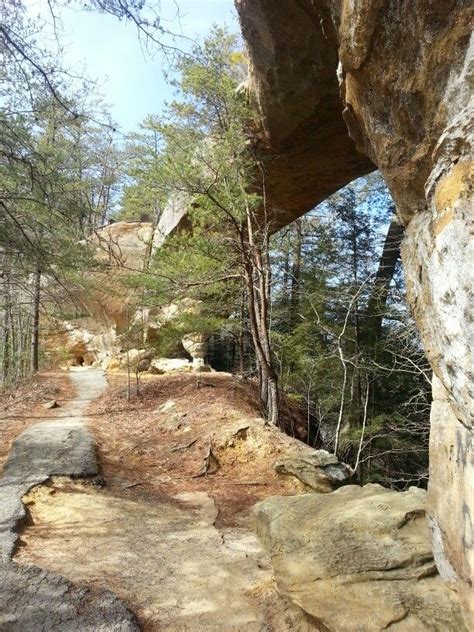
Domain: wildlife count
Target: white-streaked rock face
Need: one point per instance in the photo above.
(174, 218)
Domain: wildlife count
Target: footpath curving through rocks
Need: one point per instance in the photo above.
(33, 599)
(137, 515)
(160, 554)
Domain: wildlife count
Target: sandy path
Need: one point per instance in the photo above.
(59, 446)
(164, 557)
(31, 598)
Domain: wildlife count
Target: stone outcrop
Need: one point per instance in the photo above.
(358, 559)
(173, 219)
(405, 73)
(110, 306)
(196, 345)
(305, 148)
(318, 469)
(169, 365)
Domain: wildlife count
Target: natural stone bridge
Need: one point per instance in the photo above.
(343, 88)
(391, 80)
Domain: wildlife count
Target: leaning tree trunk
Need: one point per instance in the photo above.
(385, 273)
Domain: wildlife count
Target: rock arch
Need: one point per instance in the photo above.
(342, 87)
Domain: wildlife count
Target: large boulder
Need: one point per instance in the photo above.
(169, 365)
(358, 560)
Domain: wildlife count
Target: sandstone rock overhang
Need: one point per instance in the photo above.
(405, 73)
(305, 145)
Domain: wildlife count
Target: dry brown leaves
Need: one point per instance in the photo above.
(24, 406)
(145, 451)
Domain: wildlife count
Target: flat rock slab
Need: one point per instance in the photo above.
(166, 558)
(33, 599)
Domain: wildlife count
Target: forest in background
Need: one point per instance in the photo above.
(315, 313)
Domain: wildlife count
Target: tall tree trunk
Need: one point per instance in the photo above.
(296, 273)
(242, 335)
(6, 324)
(383, 278)
(257, 279)
(35, 318)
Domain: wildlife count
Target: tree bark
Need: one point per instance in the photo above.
(242, 335)
(383, 278)
(6, 325)
(35, 318)
(296, 272)
(257, 280)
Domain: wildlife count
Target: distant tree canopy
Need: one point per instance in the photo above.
(206, 162)
(59, 173)
(346, 344)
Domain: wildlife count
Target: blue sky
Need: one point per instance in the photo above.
(130, 79)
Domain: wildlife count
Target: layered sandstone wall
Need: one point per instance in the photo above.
(110, 306)
(400, 74)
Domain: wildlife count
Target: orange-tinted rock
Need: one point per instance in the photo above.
(405, 72)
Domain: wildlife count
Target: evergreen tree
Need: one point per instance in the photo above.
(207, 164)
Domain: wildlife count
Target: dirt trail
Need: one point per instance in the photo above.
(59, 446)
(31, 598)
(150, 534)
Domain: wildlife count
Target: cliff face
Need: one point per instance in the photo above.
(400, 76)
(110, 306)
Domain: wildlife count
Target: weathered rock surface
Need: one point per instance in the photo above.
(196, 346)
(173, 219)
(124, 244)
(451, 496)
(306, 150)
(358, 559)
(168, 365)
(405, 73)
(32, 599)
(319, 469)
(51, 404)
(180, 572)
(121, 248)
